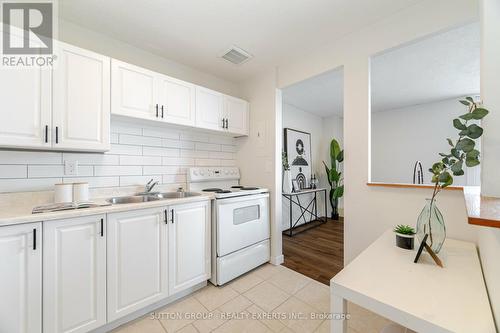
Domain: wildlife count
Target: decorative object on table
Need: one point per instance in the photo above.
(298, 150)
(80, 192)
(430, 221)
(295, 186)
(287, 176)
(418, 173)
(63, 192)
(405, 236)
(334, 177)
(314, 182)
(421, 248)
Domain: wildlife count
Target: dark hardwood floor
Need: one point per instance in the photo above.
(318, 252)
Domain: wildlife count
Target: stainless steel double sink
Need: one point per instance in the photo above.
(146, 197)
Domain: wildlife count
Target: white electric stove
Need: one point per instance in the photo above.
(240, 221)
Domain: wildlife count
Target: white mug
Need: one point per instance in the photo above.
(63, 192)
(80, 192)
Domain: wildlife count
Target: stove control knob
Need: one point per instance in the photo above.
(195, 173)
(202, 173)
(226, 172)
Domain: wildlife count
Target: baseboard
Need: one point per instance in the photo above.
(151, 308)
(277, 260)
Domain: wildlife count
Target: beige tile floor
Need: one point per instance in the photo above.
(267, 299)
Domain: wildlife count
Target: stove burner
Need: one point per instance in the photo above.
(216, 190)
(237, 186)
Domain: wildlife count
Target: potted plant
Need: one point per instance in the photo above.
(287, 176)
(405, 236)
(462, 151)
(334, 177)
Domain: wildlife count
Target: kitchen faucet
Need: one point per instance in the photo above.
(150, 185)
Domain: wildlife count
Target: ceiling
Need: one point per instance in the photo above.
(322, 95)
(197, 32)
(440, 67)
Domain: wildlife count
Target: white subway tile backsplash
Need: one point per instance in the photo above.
(140, 160)
(178, 161)
(138, 180)
(208, 146)
(92, 159)
(29, 157)
(95, 181)
(163, 170)
(139, 140)
(28, 184)
(165, 133)
(13, 171)
(125, 150)
(117, 170)
(138, 153)
(158, 151)
(48, 171)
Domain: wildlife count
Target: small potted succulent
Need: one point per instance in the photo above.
(405, 236)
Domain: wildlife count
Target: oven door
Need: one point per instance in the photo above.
(241, 222)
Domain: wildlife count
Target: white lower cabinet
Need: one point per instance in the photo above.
(21, 278)
(189, 245)
(74, 274)
(137, 260)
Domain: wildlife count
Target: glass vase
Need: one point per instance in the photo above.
(431, 221)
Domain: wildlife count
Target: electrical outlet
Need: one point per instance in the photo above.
(71, 168)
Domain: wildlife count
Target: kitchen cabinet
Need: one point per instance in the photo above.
(177, 101)
(209, 109)
(74, 274)
(134, 91)
(81, 99)
(236, 113)
(21, 278)
(26, 116)
(137, 260)
(189, 245)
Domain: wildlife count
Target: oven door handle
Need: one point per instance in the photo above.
(249, 198)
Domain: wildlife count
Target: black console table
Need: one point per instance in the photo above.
(311, 208)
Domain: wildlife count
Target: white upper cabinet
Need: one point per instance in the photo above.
(177, 101)
(74, 274)
(25, 110)
(236, 112)
(134, 91)
(209, 109)
(81, 116)
(21, 278)
(189, 245)
(137, 260)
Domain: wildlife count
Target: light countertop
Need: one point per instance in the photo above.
(21, 213)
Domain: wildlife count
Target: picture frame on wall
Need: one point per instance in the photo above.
(297, 145)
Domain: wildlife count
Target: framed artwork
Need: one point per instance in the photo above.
(295, 186)
(298, 150)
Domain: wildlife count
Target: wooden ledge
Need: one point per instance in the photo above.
(483, 211)
(421, 186)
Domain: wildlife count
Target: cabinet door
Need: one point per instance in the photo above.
(133, 91)
(81, 117)
(236, 111)
(189, 245)
(25, 114)
(74, 274)
(137, 260)
(209, 108)
(177, 101)
(21, 278)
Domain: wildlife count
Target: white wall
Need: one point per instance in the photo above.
(489, 238)
(301, 120)
(403, 136)
(138, 153)
(82, 37)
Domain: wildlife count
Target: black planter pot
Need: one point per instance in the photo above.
(335, 216)
(406, 242)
